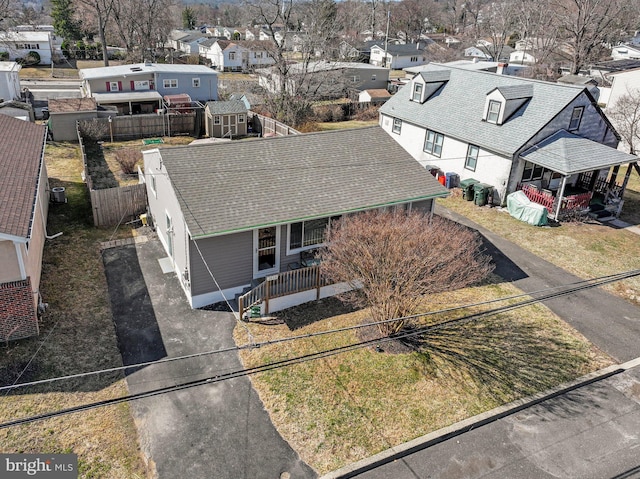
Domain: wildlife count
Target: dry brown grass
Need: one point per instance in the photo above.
(587, 250)
(345, 125)
(77, 335)
(349, 406)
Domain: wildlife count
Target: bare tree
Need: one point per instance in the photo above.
(411, 17)
(101, 11)
(393, 260)
(588, 24)
(499, 21)
(625, 116)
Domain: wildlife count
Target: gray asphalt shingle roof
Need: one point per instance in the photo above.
(237, 186)
(514, 92)
(458, 108)
(226, 107)
(21, 149)
(568, 154)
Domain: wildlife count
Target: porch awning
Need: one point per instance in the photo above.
(569, 154)
(126, 97)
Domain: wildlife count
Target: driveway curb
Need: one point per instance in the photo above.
(479, 420)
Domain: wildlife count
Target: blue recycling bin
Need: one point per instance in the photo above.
(452, 180)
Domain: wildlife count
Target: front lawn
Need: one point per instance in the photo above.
(76, 335)
(346, 407)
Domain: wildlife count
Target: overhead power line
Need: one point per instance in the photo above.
(324, 353)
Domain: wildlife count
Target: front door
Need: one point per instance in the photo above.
(266, 246)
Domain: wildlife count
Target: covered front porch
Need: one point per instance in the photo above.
(568, 174)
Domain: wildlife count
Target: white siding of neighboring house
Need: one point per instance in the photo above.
(625, 52)
(10, 84)
(377, 56)
(491, 168)
(396, 62)
(13, 43)
(521, 57)
(623, 83)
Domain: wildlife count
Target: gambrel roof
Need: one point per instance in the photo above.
(457, 109)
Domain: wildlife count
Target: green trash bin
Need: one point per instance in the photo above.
(481, 193)
(467, 188)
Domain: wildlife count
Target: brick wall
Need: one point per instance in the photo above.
(18, 317)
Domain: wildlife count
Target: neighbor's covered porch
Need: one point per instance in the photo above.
(566, 173)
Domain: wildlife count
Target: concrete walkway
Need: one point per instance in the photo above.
(609, 322)
(217, 430)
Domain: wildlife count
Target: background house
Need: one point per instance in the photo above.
(19, 44)
(139, 88)
(397, 57)
(9, 81)
(237, 55)
(226, 119)
(247, 210)
(489, 127)
(625, 52)
(24, 195)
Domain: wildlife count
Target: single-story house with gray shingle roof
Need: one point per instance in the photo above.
(497, 129)
(242, 211)
(226, 118)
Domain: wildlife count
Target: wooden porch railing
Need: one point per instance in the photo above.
(282, 284)
(570, 202)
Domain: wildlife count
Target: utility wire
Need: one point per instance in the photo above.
(310, 356)
(593, 282)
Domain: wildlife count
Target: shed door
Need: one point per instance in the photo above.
(229, 125)
(266, 247)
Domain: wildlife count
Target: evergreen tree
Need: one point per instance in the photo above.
(64, 24)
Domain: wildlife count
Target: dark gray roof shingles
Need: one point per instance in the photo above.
(240, 185)
(457, 109)
(21, 148)
(226, 107)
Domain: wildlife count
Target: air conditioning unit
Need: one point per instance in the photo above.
(58, 195)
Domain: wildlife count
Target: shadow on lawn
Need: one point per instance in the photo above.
(310, 313)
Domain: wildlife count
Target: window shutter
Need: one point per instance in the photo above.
(108, 86)
(119, 86)
(133, 85)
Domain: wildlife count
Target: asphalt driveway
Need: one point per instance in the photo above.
(216, 430)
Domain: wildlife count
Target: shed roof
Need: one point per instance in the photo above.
(71, 105)
(457, 109)
(569, 154)
(21, 148)
(239, 186)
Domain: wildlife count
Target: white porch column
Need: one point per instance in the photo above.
(560, 196)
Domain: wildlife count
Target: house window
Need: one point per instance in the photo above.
(232, 55)
(414, 59)
(493, 112)
(355, 78)
(373, 78)
(152, 185)
(216, 120)
(397, 125)
(170, 83)
(472, 158)
(195, 82)
(532, 171)
(240, 118)
(308, 234)
(576, 116)
(114, 86)
(417, 92)
(433, 143)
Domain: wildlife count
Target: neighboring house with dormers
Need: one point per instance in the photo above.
(24, 195)
(256, 210)
(507, 132)
(241, 55)
(139, 88)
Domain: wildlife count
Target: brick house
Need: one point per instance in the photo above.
(24, 195)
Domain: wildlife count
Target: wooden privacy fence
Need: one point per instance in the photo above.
(268, 126)
(113, 206)
(129, 127)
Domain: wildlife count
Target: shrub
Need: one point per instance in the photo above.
(4, 56)
(127, 158)
(32, 58)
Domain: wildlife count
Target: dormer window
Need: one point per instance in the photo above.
(576, 117)
(494, 111)
(417, 92)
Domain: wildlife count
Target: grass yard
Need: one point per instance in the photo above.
(586, 249)
(105, 169)
(346, 407)
(76, 335)
(631, 208)
(345, 125)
